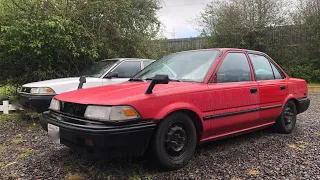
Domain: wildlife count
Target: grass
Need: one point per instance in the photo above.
(2, 164)
(17, 140)
(26, 154)
(314, 84)
(76, 177)
(313, 88)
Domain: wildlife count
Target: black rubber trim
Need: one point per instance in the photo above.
(271, 107)
(38, 103)
(240, 112)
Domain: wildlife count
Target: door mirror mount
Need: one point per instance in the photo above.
(157, 79)
(112, 75)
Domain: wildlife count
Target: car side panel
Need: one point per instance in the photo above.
(233, 107)
(272, 99)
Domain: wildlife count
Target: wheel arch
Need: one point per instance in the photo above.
(187, 109)
(292, 98)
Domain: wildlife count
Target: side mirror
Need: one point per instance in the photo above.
(82, 81)
(158, 79)
(112, 75)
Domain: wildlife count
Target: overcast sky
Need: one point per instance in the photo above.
(177, 16)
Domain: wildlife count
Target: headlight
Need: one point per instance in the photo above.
(111, 114)
(42, 91)
(54, 105)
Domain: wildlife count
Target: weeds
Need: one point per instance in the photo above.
(76, 177)
(17, 140)
(2, 148)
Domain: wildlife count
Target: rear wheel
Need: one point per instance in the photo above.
(174, 141)
(287, 120)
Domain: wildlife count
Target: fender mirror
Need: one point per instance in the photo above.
(157, 79)
(112, 75)
(82, 81)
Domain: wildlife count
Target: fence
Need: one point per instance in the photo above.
(271, 38)
(6, 107)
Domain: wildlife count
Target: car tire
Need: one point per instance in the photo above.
(174, 141)
(286, 122)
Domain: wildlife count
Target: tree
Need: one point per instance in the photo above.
(78, 31)
(237, 22)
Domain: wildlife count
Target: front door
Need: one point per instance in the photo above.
(273, 88)
(235, 96)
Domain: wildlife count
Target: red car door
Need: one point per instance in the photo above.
(234, 94)
(273, 88)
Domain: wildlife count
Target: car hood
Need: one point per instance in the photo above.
(65, 84)
(121, 94)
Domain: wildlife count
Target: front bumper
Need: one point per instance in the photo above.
(303, 105)
(38, 103)
(107, 141)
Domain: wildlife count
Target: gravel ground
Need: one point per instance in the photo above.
(26, 153)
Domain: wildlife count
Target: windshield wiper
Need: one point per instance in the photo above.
(174, 80)
(136, 79)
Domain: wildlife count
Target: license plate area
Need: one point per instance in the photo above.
(54, 133)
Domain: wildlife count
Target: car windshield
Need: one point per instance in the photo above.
(184, 66)
(98, 68)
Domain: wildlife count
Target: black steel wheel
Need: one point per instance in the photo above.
(174, 141)
(287, 120)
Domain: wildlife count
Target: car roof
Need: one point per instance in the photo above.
(224, 50)
(128, 59)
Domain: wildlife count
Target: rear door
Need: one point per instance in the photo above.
(273, 88)
(126, 70)
(234, 94)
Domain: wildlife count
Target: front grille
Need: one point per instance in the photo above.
(73, 109)
(25, 89)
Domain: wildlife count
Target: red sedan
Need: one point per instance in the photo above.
(177, 102)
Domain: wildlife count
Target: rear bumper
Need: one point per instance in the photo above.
(303, 105)
(108, 141)
(35, 103)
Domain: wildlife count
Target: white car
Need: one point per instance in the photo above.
(37, 95)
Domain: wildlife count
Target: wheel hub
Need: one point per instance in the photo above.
(176, 139)
(288, 115)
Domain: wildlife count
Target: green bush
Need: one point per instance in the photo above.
(38, 50)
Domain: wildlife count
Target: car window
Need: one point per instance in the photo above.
(147, 63)
(98, 68)
(128, 69)
(262, 67)
(277, 74)
(234, 68)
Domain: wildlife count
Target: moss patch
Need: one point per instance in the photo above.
(2, 148)
(26, 154)
(16, 140)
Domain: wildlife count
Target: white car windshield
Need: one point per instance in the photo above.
(98, 69)
(184, 66)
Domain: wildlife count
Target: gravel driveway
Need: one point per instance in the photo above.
(26, 153)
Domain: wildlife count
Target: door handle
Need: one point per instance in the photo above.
(254, 91)
(282, 88)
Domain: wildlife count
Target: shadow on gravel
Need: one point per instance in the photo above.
(221, 150)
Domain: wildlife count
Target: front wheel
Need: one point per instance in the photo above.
(287, 120)
(174, 141)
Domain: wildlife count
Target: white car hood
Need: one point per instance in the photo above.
(65, 84)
